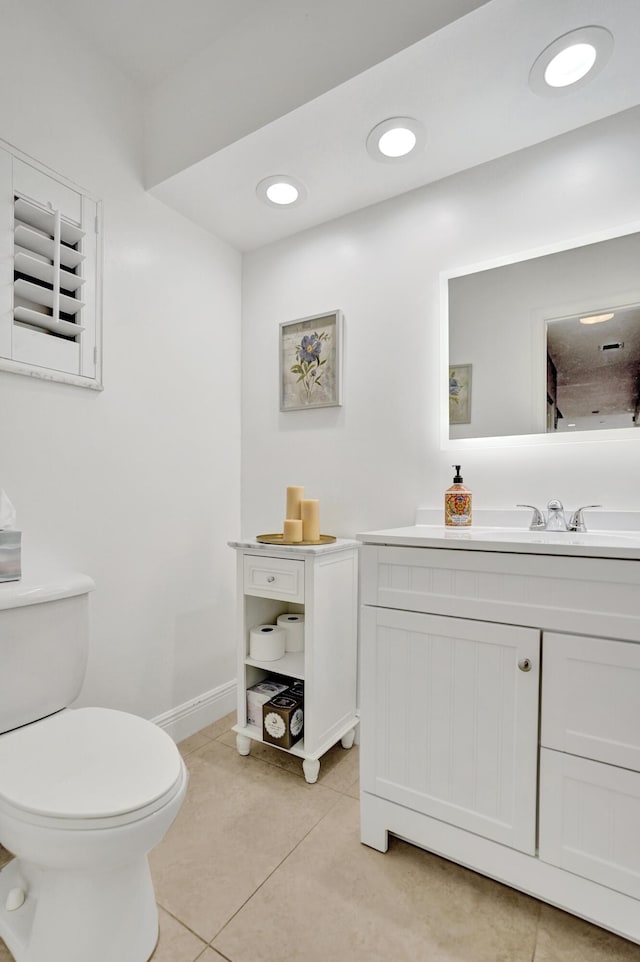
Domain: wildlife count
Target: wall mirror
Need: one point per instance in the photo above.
(545, 346)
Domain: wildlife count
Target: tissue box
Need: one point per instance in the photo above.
(10, 568)
(257, 695)
(283, 720)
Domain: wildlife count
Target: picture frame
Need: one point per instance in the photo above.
(310, 351)
(460, 393)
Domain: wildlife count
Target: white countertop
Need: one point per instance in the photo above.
(592, 544)
(293, 550)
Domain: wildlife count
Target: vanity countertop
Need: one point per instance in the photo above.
(591, 544)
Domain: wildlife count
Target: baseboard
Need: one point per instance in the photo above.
(191, 716)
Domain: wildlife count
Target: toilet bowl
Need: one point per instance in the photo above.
(85, 794)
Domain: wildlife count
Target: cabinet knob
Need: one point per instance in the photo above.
(525, 664)
(271, 578)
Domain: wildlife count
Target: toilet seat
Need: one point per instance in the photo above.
(88, 768)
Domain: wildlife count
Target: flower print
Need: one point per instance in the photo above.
(310, 347)
(309, 368)
(454, 388)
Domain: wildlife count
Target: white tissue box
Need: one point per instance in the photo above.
(257, 695)
(10, 567)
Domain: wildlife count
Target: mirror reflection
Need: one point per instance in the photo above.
(549, 344)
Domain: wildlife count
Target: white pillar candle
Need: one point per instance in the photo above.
(292, 530)
(310, 510)
(295, 494)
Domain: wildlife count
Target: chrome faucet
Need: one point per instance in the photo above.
(555, 519)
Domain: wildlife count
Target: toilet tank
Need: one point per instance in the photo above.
(44, 639)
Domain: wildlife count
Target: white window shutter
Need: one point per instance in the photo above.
(53, 329)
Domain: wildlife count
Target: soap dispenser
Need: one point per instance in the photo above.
(457, 502)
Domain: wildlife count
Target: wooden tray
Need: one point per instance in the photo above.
(279, 539)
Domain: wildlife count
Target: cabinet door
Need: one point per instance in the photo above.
(450, 721)
(590, 698)
(589, 817)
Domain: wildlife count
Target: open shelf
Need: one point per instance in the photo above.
(291, 664)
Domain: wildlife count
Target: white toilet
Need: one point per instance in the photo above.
(85, 793)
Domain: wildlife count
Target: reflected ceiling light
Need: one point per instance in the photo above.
(395, 139)
(571, 61)
(281, 190)
(596, 318)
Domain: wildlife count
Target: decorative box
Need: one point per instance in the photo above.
(257, 695)
(283, 720)
(10, 567)
(297, 689)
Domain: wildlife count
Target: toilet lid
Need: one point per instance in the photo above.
(87, 763)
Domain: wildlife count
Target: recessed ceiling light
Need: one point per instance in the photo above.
(395, 139)
(596, 318)
(571, 61)
(281, 190)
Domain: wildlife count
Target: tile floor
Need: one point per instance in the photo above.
(261, 867)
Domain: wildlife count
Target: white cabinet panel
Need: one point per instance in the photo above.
(589, 820)
(591, 698)
(450, 722)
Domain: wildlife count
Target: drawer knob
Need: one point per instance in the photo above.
(525, 664)
(271, 578)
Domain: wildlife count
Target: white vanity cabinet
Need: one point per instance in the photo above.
(500, 703)
(321, 583)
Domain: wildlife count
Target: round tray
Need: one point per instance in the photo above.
(279, 539)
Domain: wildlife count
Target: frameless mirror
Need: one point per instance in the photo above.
(548, 344)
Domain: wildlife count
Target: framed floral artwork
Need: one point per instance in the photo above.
(460, 394)
(311, 362)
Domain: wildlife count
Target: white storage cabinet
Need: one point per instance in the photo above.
(321, 583)
(464, 655)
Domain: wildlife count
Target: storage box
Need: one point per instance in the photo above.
(297, 689)
(283, 720)
(10, 567)
(257, 695)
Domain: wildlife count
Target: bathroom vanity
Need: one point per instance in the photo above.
(320, 582)
(500, 708)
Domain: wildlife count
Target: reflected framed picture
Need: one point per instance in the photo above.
(460, 394)
(311, 362)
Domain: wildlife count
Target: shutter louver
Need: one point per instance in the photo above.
(47, 271)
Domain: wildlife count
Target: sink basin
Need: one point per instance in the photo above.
(596, 544)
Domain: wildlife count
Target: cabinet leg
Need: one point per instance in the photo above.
(243, 744)
(348, 739)
(311, 767)
(372, 833)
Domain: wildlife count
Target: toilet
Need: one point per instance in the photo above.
(85, 793)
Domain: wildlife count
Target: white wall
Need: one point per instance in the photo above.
(138, 485)
(373, 461)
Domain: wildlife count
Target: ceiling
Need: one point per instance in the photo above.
(466, 81)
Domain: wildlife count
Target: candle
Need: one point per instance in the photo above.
(310, 510)
(292, 530)
(295, 494)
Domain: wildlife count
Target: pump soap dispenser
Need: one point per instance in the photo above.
(457, 502)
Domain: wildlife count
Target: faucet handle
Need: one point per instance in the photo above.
(537, 519)
(576, 521)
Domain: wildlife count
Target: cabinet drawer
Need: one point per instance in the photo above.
(589, 817)
(595, 596)
(590, 700)
(274, 578)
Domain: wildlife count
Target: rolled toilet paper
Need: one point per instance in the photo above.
(267, 642)
(294, 627)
